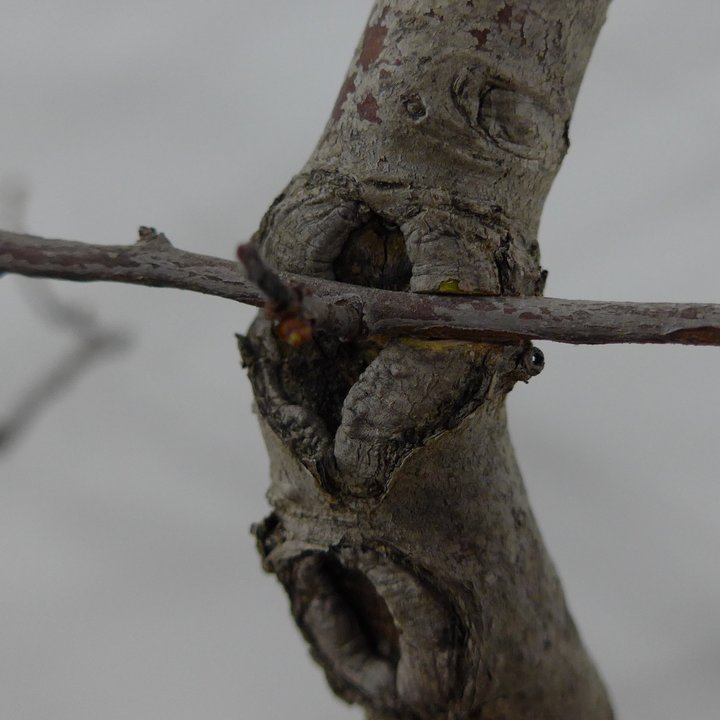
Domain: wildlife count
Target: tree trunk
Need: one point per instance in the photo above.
(401, 529)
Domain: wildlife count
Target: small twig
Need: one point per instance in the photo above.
(285, 304)
(350, 310)
(277, 292)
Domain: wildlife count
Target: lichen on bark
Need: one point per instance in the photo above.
(400, 526)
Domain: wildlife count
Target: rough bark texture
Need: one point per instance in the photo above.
(400, 526)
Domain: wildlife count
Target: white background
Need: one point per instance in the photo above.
(129, 585)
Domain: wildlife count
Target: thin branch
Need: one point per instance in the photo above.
(152, 261)
(350, 310)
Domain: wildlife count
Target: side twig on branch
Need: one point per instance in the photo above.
(350, 311)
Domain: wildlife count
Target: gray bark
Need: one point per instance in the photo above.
(400, 529)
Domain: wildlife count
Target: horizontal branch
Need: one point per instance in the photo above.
(151, 261)
(350, 310)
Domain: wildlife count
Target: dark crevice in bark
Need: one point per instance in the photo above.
(375, 255)
(367, 607)
(320, 375)
(348, 625)
(316, 376)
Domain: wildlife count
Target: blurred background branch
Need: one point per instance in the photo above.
(92, 340)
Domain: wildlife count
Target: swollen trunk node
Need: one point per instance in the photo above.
(400, 528)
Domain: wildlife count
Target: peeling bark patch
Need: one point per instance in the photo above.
(480, 37)
(347, 87)
(368, 109)
(373, 44)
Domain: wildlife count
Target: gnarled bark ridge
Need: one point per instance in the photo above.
(400, 526)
